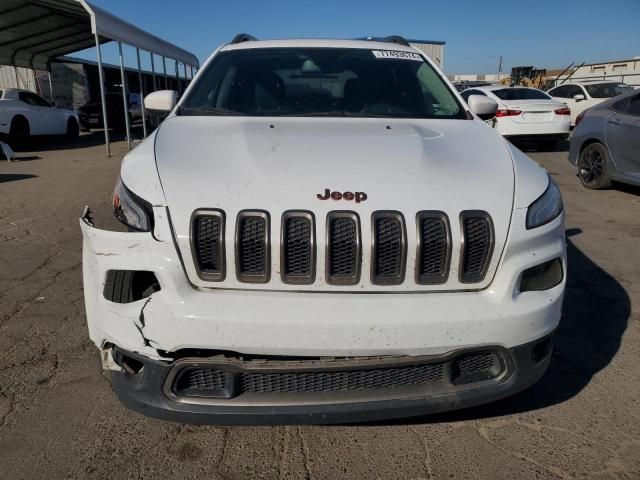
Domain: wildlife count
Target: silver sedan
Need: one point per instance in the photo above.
(605, 145)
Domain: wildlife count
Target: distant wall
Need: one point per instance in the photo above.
(69, 83)
(432, 50)
(627, 71)
(473, 77)
(26, 78)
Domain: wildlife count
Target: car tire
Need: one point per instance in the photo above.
(19, 132)
(118, 287)
(593, 167)
(73, 129)
(126, 286)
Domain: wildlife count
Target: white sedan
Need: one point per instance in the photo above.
(23, 113)
(579, 96)
(526, 112)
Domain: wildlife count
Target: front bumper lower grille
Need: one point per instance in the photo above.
(343, 247)
(231, 378)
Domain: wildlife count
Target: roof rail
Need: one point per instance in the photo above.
(243, 37)
(395, 39)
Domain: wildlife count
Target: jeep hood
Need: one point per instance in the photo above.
(280, 164)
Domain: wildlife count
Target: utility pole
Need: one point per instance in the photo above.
(499, 67)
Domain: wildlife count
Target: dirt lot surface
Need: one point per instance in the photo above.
(59, 418)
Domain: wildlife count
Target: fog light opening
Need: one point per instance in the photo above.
(542, 277)
(126, 286)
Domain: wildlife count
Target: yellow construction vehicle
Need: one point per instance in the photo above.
(526, 77)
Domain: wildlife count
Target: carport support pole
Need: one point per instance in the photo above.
(178, 86)
(185, 72)
(153, 72)
(164, 70)
(144, 119)
(102, 98)
(125, 96)
(50, 87)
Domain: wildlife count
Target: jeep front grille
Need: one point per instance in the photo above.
(253, 259)
(343, 248)
(298, 255)
(477, 246)
(207, 239)
(389, 253)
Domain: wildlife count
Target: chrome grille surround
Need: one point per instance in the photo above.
(253, 246)
(298, 247)
(208, 244)
(388, 248)
(476, 250)
(433, 255)
(343, 248)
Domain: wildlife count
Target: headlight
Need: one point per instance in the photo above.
(545, 208)
(131, 210)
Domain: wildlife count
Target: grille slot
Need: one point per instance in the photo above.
(388, 252)
(475, 367)
(343, 248)
(207, 244)
(434, 248)
(252, 247)
(341, 381)
(477, 245)
(298, 248)
(204, 382)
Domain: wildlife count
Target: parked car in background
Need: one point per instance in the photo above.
(91, 113)
(327, 257)
(526, 113)
(579, 96)
(24, 114)
(605, 145)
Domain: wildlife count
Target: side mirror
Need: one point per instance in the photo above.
(482, 106)
(579, 97)
(161, 101)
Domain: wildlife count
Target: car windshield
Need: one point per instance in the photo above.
(339, 82)
(520, 94)
(607, 90)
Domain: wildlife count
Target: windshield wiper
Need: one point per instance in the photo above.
(206, 111)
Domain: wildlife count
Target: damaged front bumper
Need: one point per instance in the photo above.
(157, 389)
(179, 324)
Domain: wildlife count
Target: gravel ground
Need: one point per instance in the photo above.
(59, 418)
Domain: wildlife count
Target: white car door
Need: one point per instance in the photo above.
(39, 113)
(569, 95)
(582, 105)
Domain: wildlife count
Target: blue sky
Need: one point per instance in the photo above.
(541, 33)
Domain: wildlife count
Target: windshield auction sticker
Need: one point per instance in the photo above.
(396, 54)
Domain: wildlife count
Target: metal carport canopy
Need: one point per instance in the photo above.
(34, 32)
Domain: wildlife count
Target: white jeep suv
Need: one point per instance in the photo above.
(322, 231)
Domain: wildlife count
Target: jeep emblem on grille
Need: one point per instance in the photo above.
(357, 196)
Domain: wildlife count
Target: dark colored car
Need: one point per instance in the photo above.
(605, 145)
(90, 114)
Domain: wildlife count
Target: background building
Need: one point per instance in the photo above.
(434, 49)
(626, 71)
(73, 81)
